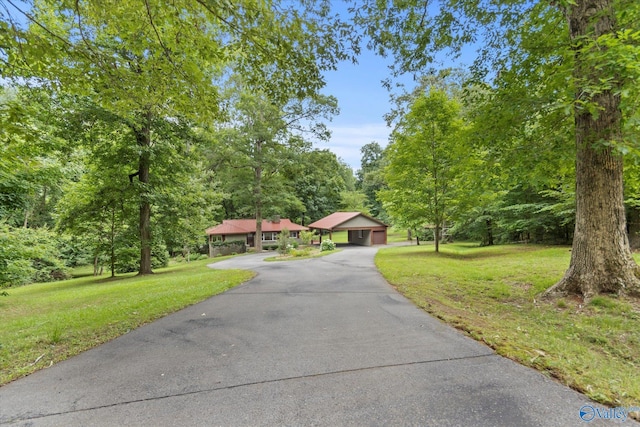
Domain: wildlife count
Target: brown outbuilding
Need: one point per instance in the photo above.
(361, 229)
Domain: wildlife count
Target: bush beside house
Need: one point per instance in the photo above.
(227, 248)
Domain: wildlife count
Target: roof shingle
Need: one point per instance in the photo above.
(245, 226)
(338, 218)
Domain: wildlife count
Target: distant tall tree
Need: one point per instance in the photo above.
(262, 139)
(317, 183)
(371, 156)
(354, 201)
(97, 208)
(33, 161)
(422, 158)
(370, 176)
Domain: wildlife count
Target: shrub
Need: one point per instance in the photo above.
(327, 245)
(284, 242)
(306, 237)
(29, 255)
(128, 257)
(159, 255)
(73, 251)
(230, 247)
(226, 243)
(296, 253)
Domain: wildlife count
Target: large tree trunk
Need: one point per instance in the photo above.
(601, 259)
(143, 136)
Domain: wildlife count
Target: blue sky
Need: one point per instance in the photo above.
(363, 101)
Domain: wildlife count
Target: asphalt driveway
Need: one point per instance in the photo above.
(324, 341)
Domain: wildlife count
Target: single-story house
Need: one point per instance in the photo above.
(361, 229)
(245, 230)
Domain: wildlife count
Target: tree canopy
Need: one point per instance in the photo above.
(155, 66)
(138, 125)
(543, 66)
(424, 158)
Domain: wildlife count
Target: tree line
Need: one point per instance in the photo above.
(132, 125)
(128, 128)
(548, 81)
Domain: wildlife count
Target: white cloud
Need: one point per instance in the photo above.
(346, 141)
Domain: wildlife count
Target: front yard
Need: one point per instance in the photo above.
(45, 323)
(492, 294)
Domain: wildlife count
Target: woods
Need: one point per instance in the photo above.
(142, 91)
(128, 128)
(538, 65)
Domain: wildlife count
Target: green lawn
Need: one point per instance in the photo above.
(396, 235)
(492, 294)
(48, 322)
(302, 253)
(338, 237)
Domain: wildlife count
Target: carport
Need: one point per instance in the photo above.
(361, 229)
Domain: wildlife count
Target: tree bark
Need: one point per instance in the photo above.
(257, 194)
(112, 242)
(143, 137)
(601, 259)
(95, 265)
(489, 224)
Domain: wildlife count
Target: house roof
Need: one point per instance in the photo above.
(337, 219)
(245, 226)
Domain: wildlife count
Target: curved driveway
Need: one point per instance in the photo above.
(324, 341)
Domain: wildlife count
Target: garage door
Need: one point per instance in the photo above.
(378, 238)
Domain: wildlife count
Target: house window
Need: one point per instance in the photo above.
(216, 238)
(268, 236)
(293, 234)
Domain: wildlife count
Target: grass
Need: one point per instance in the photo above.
(302, 253)
(395, 235)
(48, 322)
(492, 294)
(338, 236)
